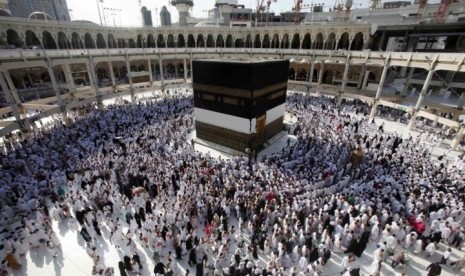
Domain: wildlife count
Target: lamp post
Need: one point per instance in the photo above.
(99, 14)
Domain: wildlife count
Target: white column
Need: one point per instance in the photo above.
(380, 88)
(69, 78)
(185, 70)
(55, 87)
(407, 82)
(91, 66)
(112, 74)
(192, 70)
(320, 75)
(11, 101)
(461, 102)
(91, 80)
(365, 79)
(149, 64)
(312, 67)
(458, 137)
(13, 90)
(131, 86)
(162, 77)
(421, 99)
(344, 79)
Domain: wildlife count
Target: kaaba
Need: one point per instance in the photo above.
(239, 103)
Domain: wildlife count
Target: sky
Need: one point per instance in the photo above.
(127, 12)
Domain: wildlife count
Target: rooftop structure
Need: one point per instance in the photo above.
(56, 9)
(165, 17)
(183, 7)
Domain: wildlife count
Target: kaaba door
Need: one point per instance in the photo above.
(261, 126)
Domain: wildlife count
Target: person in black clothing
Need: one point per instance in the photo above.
(96, 227)
(199, 269)
(314, 254)
(136, 259)
(159, 268)
(127, 263)
(122, 269)
(178, 251)
(142, 214)
(85, 234)
(434, 269)
(192, 257)
(137, 217)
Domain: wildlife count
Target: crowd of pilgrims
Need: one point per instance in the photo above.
(128, 175)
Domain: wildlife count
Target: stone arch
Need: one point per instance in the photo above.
(285, 42)
(180, 70)
(131, 43)
(121, 43)
(330, 41)
(275, 41)
(12, 38)
(357, 43)
(370, 43)
(344, 42)
(89, 41)
(266, 41)
(315, 75)
(295, 44)
(48, 41)
(111, 42)
(170, 41)
(307, 42)
(291, 73)
(140, 41)
(328, 77)
(101, 41)
(161, 41)
(170, 70)
(76, 41)
(181, 42)
(318, 43)
(248, 41)
(31, 39)
(63, 42)
(239, 43)
(190, 41)
(210, 41)
(219, 41)
(257, 42)
(151, 41)
(200, 41)
(302, 75)
(229, 41)
(101, 73)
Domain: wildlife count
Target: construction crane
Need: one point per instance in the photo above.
(421, 7)
(443, 9)
(338, 7)
(374, 4)
(261, 8)
(296, 9)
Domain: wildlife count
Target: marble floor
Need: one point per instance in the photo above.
(72, 259)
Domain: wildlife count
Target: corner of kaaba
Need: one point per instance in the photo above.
(239, 103)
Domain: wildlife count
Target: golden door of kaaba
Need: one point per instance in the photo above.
(261, 124)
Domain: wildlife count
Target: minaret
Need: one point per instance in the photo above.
(183, 7)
